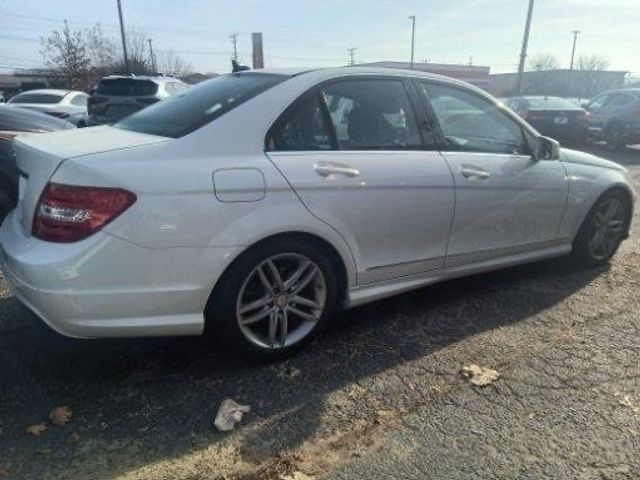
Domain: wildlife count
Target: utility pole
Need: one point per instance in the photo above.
(523, 53)
(234, 41)
(573, 54)
(352, 55)
(413, 37)
(124, 40)
(152, 57)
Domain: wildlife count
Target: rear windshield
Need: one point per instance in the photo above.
(126, 87)
(177, 116)
(37, 98)
(551, 103)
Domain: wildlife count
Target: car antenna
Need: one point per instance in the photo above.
(236, 67)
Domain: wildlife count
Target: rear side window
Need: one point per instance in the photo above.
(37, 98)
(372, 115)
(126, 87)
(182, 114)
(303, 129)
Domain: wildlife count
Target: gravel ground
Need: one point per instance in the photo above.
(379, 396)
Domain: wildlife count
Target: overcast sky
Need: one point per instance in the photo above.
(317, 33)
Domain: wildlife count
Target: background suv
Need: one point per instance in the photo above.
(614, 116)
(118, 96)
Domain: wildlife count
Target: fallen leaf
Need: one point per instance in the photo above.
(296, 476)
(74, 437)
(288, 372)
(479, 376)
(229, 414)
(4, 472)
(37, 429)
(60, 415)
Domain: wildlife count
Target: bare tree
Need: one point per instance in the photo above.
(101, 49)
(543, 61)
(171, 64)
(65, 53)
(592, 63)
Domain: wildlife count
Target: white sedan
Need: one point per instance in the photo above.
(69, 105)
(256, 204)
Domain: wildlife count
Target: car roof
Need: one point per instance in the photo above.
(50, 91)
(153, 78)
(22, 120)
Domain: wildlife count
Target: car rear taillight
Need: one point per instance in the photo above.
(68, 213)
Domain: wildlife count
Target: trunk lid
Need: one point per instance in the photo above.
(39, 155)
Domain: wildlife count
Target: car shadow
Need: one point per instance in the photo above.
(140, 401)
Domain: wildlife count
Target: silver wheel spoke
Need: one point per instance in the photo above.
(298, 300)
(261, 302)
(615, 225)
(273, 328)
(265, 281)
(284, 327)
(611, 211)
(303, 315)
(256, 317)
(275, 273)
(295, 277)
(306, 279)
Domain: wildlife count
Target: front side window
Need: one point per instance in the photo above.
(181, 114)
(304, 128)
(372, 115)
(472, 123)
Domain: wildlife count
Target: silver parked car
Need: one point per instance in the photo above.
(118, 96)
(259, 203)
(69, 105)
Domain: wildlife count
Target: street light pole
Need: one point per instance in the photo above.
(413, 37)
(573, 54)
(124, 41)
(523, 52)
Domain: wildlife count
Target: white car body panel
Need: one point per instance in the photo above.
(205, 198)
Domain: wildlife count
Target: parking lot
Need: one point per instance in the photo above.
(379, 396)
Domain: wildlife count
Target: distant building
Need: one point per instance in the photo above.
(476, 75)
(11, 84)
(562, 83)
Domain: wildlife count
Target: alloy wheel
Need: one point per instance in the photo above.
(607, 229)
(281, 301)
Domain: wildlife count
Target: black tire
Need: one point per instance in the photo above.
(582, 254)
(222, 324)
(615, 136)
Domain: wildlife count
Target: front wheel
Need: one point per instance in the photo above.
(615, 136)
(275, 299)
(603, 230)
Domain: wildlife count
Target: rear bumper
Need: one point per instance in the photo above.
(108, 287)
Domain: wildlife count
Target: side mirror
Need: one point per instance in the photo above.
(546, 149)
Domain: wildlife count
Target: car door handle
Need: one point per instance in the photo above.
(475, 172)
(328, 169)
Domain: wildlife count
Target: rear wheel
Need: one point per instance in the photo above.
(615, 136)
(603, 230)
(275, 299)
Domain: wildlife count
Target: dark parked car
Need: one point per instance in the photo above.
(614, 117)
(118, 96)
(14, 121)
(555, 117)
